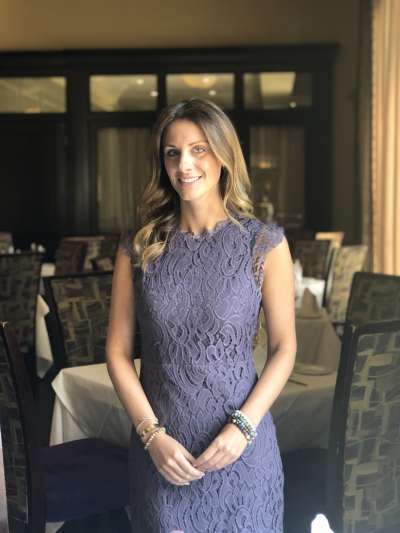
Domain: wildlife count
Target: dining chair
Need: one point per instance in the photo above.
(6, 237)
(336, 237)
(78, 318)
(355, 482)
(70, 256)
(4, 247)
(314, 257)
(19, 286)
(59, 483)
(97, 246)
(346, 262)
(103, 264)
(373, 297)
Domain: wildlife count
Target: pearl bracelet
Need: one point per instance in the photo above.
(155, 432)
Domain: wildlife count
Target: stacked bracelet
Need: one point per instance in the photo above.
(146, 418)
(244, 424)
(155, 432)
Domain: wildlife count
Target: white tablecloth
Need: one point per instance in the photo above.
(317, 343)
(86, 405)
(314, 285)
(44, 356)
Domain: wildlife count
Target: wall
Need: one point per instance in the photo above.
(58, 24)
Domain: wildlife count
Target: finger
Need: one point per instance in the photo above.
(191, 460)
(173, 477)
(216, 458)
(205, 457)
(189, 470)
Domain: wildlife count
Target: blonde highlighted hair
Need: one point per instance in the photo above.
(159, 205)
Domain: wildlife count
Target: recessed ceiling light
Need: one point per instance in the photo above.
(153, 93)
(212, 92)
(140, 81)
(292, 104)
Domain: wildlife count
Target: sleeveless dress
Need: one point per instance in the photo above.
(197, 307)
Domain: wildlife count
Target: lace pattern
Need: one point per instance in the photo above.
(197, 305)
(269, 236)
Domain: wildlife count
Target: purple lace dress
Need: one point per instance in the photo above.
(197, 307)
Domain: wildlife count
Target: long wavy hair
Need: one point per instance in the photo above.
(159, 205)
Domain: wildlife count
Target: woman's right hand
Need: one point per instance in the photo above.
(172, 460)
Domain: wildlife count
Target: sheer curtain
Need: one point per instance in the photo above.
(123, 170)
(386, 136)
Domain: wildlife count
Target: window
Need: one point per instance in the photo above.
(277, 90)
(123, 93)
(215, 87)
(33, 95)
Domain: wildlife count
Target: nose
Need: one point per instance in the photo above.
(185, 163)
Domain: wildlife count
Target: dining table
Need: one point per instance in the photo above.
(86, 405)
(44, 355)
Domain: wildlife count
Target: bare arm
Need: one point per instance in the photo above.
(278, 306)
(120, 343)
(171, 459)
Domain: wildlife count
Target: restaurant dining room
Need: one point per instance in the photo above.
(312, 89)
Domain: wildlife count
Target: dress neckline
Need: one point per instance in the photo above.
(206, 232)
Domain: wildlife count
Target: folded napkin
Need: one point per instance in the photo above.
(320, 524)
(309, 307)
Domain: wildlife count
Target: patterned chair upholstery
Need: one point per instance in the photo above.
(70, 257)
(6, 238)
(97, 246)
(109, 246)
(79, 308)
(373, 298)
(69, 481)
(14, 452)
(347, 261)
(314, 257)
(19, 285)
(103, 264)
(356, 482)
(78, 318)
(365, 444)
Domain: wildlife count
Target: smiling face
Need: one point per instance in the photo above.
(193, 169)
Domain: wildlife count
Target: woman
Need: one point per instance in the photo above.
(204, 456)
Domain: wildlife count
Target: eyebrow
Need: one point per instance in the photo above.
(190, 144)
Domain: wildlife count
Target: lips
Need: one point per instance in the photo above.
(188, 181)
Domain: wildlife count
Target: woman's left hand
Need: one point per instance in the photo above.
(227, 446)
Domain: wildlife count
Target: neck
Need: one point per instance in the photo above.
(197, 220)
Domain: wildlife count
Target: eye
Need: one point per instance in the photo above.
(199, 149)
(171, 152)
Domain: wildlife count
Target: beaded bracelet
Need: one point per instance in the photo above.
(244, 424)
(155, 432)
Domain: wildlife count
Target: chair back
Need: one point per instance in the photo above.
(19, 287)
(70, 257)
(336, 237)
(109, 246)
(78, 318)
(347, 260)
(97, 246)
(6, 237)
(363, 476)
(103, 264)
(373, 298)
(23, 475)
(314, 257)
